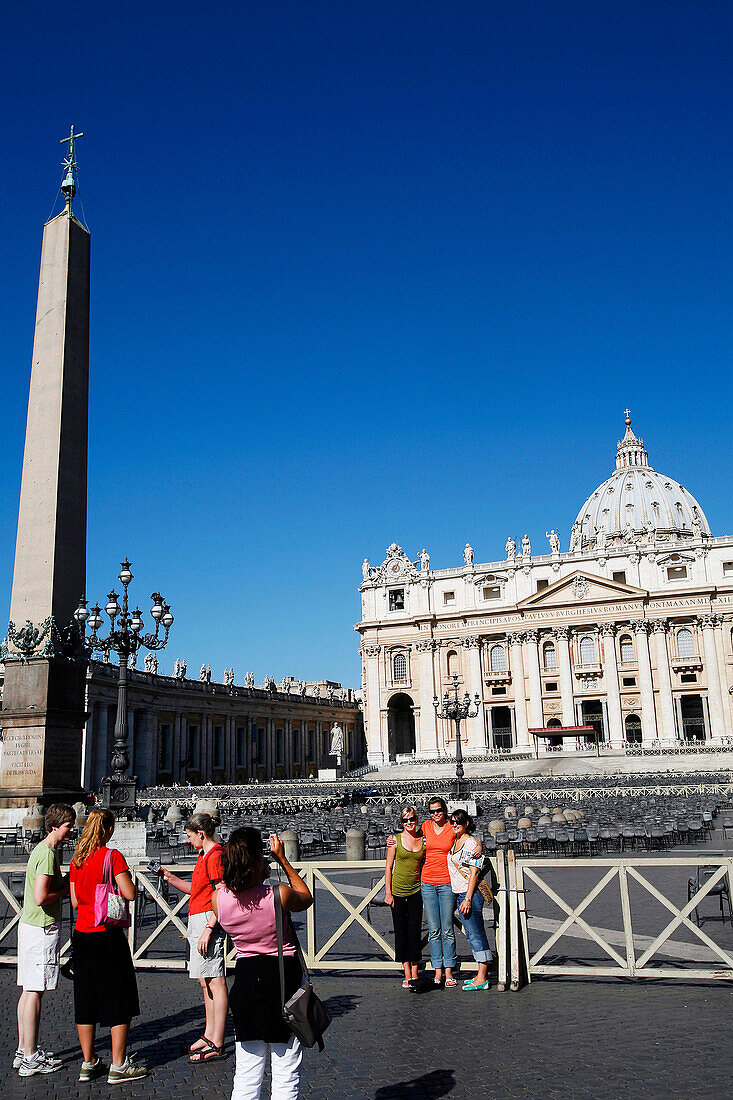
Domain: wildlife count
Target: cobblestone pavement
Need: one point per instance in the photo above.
(554, 1039)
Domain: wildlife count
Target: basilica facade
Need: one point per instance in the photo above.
(625, 639)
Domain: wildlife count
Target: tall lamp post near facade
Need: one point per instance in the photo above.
(457, 710)
(125, 638)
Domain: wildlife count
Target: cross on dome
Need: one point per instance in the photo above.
(630, 450)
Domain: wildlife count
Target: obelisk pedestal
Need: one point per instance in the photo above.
(43, 700)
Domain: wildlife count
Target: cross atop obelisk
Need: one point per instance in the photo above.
(68, 186)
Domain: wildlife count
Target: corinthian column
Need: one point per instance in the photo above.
(520, 704)
(377, 751)
(428, 743)
(666, 705)
(712, 673)
(533, 670)
(566, 677)
(613, 695)
(477, 725)
(646, 687)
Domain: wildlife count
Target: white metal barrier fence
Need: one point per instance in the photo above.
(638, 953)
(341, 915)
(338, 933)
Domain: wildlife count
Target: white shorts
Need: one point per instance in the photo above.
(38, 957)
(210, 965)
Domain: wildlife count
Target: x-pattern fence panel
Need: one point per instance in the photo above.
(638, 955)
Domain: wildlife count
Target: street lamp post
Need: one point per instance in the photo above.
(125, 638)
(457, 709)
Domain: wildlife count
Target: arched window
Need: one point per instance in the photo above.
(685, 643)
(399, 668)
(453, 663)
(587, 651)
(497, 658)
(627, 648)
(549, 655)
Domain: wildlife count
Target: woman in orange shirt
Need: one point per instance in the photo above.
(437, 892)
(205, 935)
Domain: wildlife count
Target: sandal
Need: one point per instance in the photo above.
(210, 1053)
(199, 1044)
(406, 984)
(450, 982)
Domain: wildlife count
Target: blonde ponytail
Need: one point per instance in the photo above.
(99, 827)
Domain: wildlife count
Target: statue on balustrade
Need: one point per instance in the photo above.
(554, 540)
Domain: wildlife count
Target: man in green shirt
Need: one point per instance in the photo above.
(39, 939)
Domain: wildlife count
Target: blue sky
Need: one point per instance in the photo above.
(366, 272)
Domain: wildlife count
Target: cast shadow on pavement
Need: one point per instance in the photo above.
(340, 1006)
(428, 1087)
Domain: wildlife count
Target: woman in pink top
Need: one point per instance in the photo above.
(245, 908)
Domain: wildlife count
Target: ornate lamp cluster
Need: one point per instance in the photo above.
(457, 709)
(125, 637)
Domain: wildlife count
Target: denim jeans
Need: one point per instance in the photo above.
(473, 926)
(439, 903)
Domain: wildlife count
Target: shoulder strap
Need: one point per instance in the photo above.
(294, 934)
(107, 876)
(279, 935)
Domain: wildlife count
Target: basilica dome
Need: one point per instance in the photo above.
(637, 504)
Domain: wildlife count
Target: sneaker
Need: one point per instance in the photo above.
(41, 1062)
(90, 1071)
(128, 1071)
(18, 1058)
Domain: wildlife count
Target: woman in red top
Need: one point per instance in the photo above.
(105, 990)
(437, 892)
(205, 935)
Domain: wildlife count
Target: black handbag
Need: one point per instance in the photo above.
(305, 1014)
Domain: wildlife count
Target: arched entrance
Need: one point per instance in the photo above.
(501, 728)
(554, 742)
(592, 715)
(693, 718)
(400, 725)
(632, 729)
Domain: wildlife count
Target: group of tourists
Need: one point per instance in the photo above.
(228, 895)
(437, 866)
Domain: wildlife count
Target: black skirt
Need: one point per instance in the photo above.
(105, 990)
(254, 998)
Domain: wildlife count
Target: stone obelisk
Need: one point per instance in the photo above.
(43, 699)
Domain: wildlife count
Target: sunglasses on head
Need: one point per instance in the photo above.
(409, 820)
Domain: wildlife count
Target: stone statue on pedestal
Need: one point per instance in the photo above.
(337, 741)
(424, 560)
(554, 540)
(511, 547)
(526, 547)
(468, 554)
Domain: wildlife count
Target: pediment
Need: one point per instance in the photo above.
(579, 588)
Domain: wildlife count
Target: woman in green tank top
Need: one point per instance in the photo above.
(402, 893)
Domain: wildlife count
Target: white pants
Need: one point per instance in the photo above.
(250, 1069)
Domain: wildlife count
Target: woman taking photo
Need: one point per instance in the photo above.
(402, 893)
(205, 935)
(464, 866)
(437, 892)
(105, 990)
(245, 908)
